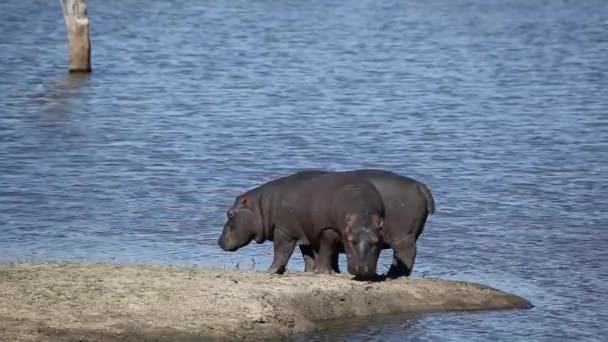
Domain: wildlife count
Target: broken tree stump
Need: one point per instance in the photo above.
(77, 24)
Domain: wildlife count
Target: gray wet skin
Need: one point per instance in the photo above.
(336, 208)
(268, 209)
(300, 210)
(407, 203)
(267, 213)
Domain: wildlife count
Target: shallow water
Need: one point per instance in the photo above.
(501, 108)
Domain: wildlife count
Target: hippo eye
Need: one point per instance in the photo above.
(230, 213)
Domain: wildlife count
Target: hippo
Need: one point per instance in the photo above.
(338, 211)
(407, 203)
(265, 213)
(316, 210)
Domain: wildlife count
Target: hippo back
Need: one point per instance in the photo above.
(407, 201)
(277, 198)
(337, 191)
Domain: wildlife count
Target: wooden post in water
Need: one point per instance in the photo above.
(77, 24)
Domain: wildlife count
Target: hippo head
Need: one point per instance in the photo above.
(244, 223)
(362, 244)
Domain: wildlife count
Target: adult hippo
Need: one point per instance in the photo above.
(255, 215)
(316, 210)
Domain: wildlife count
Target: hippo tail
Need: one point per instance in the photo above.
(430, 202)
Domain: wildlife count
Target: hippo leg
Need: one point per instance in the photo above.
(327, 251)
(334, 263)
(309, 258)
(404, 255)
(283, 248)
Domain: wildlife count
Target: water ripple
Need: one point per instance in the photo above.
(500, 107)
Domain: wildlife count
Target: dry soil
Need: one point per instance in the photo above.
(110, 302)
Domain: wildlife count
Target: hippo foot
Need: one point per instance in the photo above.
(397, 272)
(276, 270)
(370, 278)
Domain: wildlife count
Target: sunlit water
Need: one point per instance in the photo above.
(501, 108)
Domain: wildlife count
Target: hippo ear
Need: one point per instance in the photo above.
(348, 229)
(378, 221)
(245, 202)
(350, 220)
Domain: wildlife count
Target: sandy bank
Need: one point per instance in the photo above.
(106, 302)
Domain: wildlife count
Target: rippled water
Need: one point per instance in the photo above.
(501, 108)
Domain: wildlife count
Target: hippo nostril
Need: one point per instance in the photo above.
(362, 269)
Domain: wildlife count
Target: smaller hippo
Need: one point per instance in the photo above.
(341, 211)
(316, 215)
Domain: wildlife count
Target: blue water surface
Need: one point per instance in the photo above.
(500, 107)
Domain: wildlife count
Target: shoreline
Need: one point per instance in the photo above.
(87, 301)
